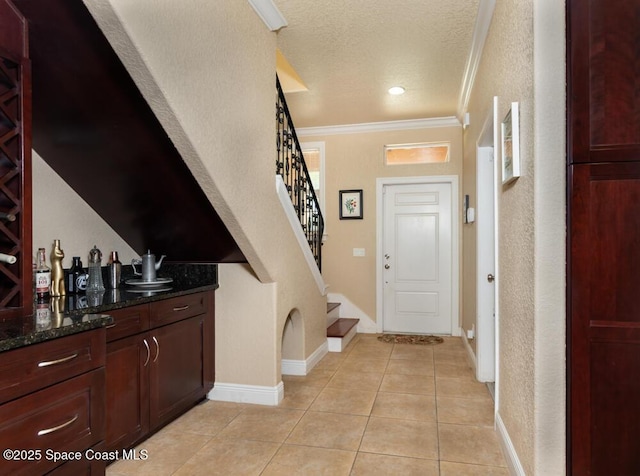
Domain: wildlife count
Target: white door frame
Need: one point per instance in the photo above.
(455, 245)
(488, 352)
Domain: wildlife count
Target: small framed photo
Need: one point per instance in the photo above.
(510, 130)
(350, 204)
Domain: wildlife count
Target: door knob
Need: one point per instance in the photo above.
(491, 278)
(386, 266)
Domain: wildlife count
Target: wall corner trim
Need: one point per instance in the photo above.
(480, 33)
(509, 451)
(410, 124)
(269, 14)
(292, 216)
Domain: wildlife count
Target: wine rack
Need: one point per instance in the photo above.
(16, 280)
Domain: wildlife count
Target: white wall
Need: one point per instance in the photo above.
(207, 70)
(524, 61)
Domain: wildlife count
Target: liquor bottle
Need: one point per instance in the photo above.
(74, 274)
(43, 275)
(9, 259)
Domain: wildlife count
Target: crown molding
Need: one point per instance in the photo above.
(411, 124)
(269, 14)
(480, 32)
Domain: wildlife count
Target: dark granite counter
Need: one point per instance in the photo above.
(66, 315)
(15, 333)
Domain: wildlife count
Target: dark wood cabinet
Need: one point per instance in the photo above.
(603, 179)
(177, 378)
(60, 407)
(159, 371)
(127, 391)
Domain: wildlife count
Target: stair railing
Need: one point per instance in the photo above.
(291, 166)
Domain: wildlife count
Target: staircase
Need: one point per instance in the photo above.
(340, 330)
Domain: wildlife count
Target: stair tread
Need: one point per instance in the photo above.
(331, 306)
(341, 327)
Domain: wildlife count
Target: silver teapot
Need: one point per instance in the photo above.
(149, 266)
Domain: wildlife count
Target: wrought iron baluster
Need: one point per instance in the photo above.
(291, 166)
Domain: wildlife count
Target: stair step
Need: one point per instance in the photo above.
(331, 306)
(341, 327)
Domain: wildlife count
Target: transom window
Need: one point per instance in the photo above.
(411, 154)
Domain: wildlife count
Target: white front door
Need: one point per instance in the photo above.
(417, 258)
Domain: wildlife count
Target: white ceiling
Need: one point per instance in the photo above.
(349, 53)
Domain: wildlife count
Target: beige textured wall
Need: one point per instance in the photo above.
(208, 71)
(355, 161)
(531, 229)
(60, 213)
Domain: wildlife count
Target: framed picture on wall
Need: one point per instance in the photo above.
(510, 132)
(350, 204)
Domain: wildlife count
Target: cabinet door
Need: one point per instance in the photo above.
(177, 371)
(605, 318)
(127, 382)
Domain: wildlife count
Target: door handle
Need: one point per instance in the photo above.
(146, 344)
(386, 266)
(491, 278)
(155, 359)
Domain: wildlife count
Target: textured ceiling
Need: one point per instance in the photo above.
(349, 53)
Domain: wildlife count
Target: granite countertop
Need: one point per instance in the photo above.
(66, 315)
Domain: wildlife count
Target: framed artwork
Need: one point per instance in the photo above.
(510, 130)
(350, 204)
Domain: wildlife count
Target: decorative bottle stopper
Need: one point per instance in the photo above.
(95, 271)
(57, 273)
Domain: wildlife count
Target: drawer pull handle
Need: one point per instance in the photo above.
(56, 428)
(47, 363)
(111, 326)
(181, 308)
(155, 359)
(146, 344)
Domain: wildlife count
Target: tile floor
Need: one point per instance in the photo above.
(375, 409)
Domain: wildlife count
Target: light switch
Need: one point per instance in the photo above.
(358, 252)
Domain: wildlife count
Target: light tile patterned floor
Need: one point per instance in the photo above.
(375, 409)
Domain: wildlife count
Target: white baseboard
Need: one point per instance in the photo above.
(470, 354)
(348, 309)
(303, 367)
(238, 393)
(509, 451)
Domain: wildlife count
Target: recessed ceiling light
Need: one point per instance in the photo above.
(396, 90)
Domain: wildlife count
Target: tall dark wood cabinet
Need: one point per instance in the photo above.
(603, 173)
(16, 280)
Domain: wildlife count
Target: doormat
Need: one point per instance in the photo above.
(410, 339)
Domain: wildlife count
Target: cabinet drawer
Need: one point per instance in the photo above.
(178, 308)
(34, 367)
(128, 321)
(84, 467)
(65, 417)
